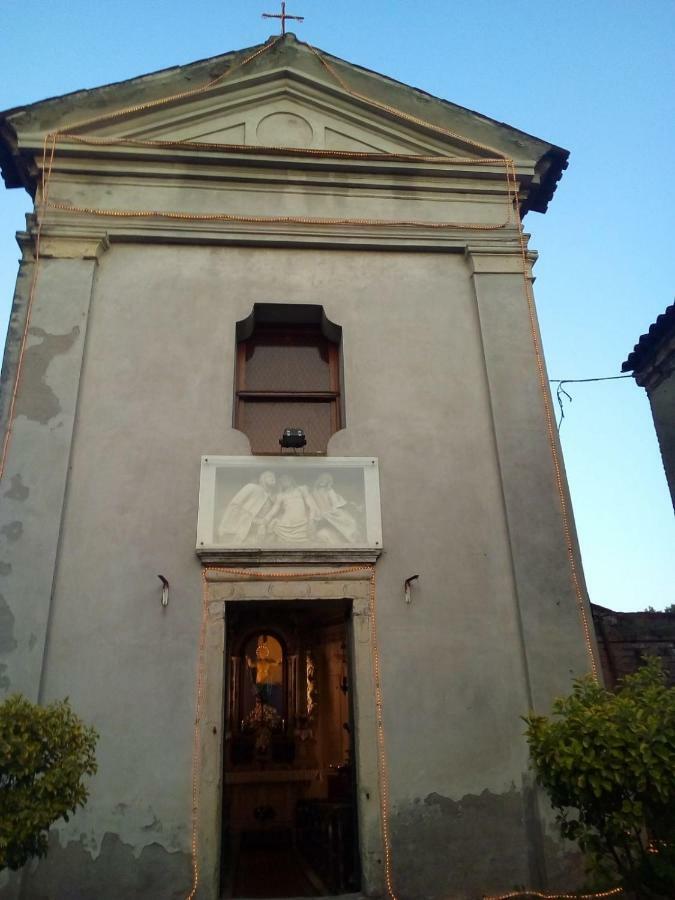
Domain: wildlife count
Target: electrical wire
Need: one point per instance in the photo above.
(560, 390)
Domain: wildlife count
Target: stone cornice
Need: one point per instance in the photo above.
(266, 558)
(64, 245)
(73, 156)
(498, 260)
(502, 242)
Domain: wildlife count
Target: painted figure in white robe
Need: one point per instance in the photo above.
(243, 516)
(335, 525)
(293, 513)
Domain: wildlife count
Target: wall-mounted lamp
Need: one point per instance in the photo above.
(406, 588)
(165, 590)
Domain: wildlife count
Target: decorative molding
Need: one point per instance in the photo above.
(75, 156)
(265, 558)
(338, 237)
(498, 261)
(247, 92)
(317, 573)
(63, 246)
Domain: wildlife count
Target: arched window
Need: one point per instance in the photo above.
(288, 376)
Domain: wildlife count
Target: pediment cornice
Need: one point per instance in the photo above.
(201, 117)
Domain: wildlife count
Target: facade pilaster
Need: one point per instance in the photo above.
(550, 607)
(40, 412)
(535, 495)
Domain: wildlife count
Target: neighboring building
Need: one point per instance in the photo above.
(277, 238)
(626, 638)
(652, 363)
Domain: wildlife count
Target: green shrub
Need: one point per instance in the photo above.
(45, 752)
(607, 763)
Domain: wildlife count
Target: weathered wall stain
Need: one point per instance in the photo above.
(5, 568)
(15, 327)
(36, 400)
(154, 825)
(435, 843)
(18, 490)
(7, 642)
(5, 683)
(435, 840)
(12, 531)
(114, 874)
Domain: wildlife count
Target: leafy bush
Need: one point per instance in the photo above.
(607, 762)
(44, 754)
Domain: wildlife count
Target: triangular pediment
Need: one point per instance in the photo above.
(282, 94)
(282, 109)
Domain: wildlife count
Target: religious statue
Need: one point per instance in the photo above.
(336, 525)
(268, 676)
(262, 721)
(293, 513)
(242, 520)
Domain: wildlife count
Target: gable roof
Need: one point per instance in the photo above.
(280, 54)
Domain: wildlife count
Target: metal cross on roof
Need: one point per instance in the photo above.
(283, 16)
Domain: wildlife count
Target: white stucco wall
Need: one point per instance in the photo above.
(156, 394)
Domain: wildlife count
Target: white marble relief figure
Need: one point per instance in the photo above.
(242, 520)
(335, 525)
(293, 513)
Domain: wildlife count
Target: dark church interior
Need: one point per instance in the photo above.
(289, 811)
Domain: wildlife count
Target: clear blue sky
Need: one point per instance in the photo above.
(594, 76)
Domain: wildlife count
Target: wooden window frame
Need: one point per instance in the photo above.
(284, 334)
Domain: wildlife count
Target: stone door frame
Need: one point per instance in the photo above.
(280, 584)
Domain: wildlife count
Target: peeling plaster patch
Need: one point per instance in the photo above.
(32, 641)
(156, 874)
(89, 843)
(12, 531)
(36, 400)
(5, 568)
(460, 848)
(7, 642)
(121, 808)
(5, 683)
(481, 844)
(18, 490)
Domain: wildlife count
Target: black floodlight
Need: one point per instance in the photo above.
(293, 437)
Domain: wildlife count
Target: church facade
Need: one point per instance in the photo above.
(274, 340)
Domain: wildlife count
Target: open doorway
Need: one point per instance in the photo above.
(289, 804)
